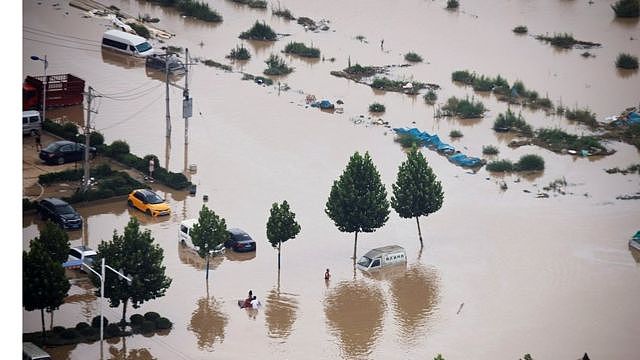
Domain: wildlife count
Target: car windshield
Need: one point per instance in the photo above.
(52, 147)
(364, 261)
(153, 198)
(145, 46)
(64, 209)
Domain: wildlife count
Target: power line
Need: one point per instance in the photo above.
(124, 92)
(32, 29)
(131, 96)
(60, 45)
(132, 115)
(63, 38)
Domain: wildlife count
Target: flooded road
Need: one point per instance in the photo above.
(502, 273)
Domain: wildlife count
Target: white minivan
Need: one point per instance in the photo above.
(382, 257)
(185, 236)
(124, 42)
(31, 122)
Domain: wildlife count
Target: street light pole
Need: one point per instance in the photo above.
(46, 82)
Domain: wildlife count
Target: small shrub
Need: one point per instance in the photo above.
(482, 83)
(377, 107)
(520, 29)
(463, 76)
(361, 38)
(174, 49)
(500, 166)
(118, 147)
(412, 57)
(239, 53)
(141, 30)
(545, 102)
(112, 330)
(58, 329)
(464, 108)
(626, 8)
(198, 10)
(258, 4)
(69, 334)
(147, 327)
(452, 4)
(407, 141)
(358, 69)
(564, 40)
(509, 120)
(456, 134)
(259, 31)
(136, 319)
(276, 66)
(627, 61)
(285, 13)
(490, 150)
(151, 316)
(216, 64)
(430, 97)
(163, 323)
(95, 322)
(82, 325)
(584, 116)
(301, 49)
(71, 128)
(530, 163)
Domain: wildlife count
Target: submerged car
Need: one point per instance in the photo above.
(148, 202)
(184, 235)
(240, 241)
(63, 151)
(172, 63)
(60, 213)
(83, 253)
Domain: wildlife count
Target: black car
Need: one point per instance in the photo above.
(240, 241)
(60, 213)
(158, 62)
(60, 152)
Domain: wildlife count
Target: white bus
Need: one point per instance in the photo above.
(124, 42)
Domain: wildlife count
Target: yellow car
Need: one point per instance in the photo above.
(148, 202)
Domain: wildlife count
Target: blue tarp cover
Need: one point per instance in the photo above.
(434, 142)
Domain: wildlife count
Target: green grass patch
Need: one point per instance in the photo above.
(627, 61)
(500, 166)
(362, 71)
(565, 40)
(526, 163)
(301, 49)
(198, 10)
(259, 31)
(384, 83)
(407, 141)
(463, 76)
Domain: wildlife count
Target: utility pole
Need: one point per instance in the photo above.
(87, 132)
(166, 72)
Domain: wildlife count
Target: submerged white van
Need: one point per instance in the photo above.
(382, 257)
(185, 236)
(124, 42)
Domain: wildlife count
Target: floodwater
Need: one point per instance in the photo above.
(502, 273)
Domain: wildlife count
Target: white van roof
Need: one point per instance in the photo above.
(189, 222)
(121, 35)
(30, 113)
(373, 253)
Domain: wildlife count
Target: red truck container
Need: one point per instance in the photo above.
(62, 90)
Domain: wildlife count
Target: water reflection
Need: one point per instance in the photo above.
(236, 256)
(415, 297)
(635, 254)
(86, 297)
(208, 323)
(626, 73)
(145, 219)
(260, 47)
(161, 76)
(280, 313)
(354, 311)
(189, 256)
(121, 60)
(133, 354)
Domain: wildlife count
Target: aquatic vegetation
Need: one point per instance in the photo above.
(283, 12)
(627, 8)
(584, 116)
(490, 150)
(482, 83)
(363, 71)
(520, 29)
(408, 141)
(409, 87)
(456, 134)
(631, 169)
(239, 53)
(508, 121)
(377, 107)
(526, 163)
(259, 31)
(413, 57)
(260, 4)
(500, 166)
(627, 61)
(216, 64)
(430, 97)
(464, 108)
(361, 38)
(196, 9)
(141, 30)
(301, 49)
(557, 140)
(452, 4)
(276, 66)
(565, 41)
(463, 76)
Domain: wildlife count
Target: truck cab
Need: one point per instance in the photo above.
(382, 257)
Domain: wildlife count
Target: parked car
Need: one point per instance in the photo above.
(31, 351)
(60, 152)
(60, 213)
(83, 253)
(158, 62)
(185, 236)
(240, 241)
(148, 202)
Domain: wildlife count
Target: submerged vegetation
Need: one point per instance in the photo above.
(627, 61)
(301, 49)
(216, 64)
(452, 4)
(413, 57)
(584, 116)
(259, 31)
(490, 150)
(558, 141)
(509, 121)
(627, 8)
(430, 97)
(464, 108)
(526, 163)
(377, 107)
(276, 66)
(259, 4)
(410, 87)
(455, 134)
(239, 53)
(520, 29)
(408, 141)
(141, 30)
(565, 41)
(283, 12)
(196, 9)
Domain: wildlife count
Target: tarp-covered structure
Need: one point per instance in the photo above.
(433, 142)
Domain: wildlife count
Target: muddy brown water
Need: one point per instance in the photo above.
(502, 273)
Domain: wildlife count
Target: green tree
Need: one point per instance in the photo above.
(358, 199)
(209, 232)
(417, 192)
(55, 241)
(281, 226)
(135, 255)
(44, 284)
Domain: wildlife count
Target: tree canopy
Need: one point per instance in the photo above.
(358, 199)
(55, 242)
(281, 226)
(417, 192)
(209, 232)
(135, 255)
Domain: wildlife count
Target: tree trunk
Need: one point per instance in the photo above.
(44, 334)
(419, 232)
(279, 243)
(124, 311)
(355, 246)
(51, 322)
(207, 276)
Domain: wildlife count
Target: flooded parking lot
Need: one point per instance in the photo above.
(502, 273)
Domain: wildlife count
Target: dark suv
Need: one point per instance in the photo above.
(60, 213)
(240, 241)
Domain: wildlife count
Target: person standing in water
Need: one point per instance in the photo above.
(327, 276)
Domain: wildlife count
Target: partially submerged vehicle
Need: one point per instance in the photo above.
(382, 257)
(634, 242)
(184, 236)
(170, 63)
(126, 43)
